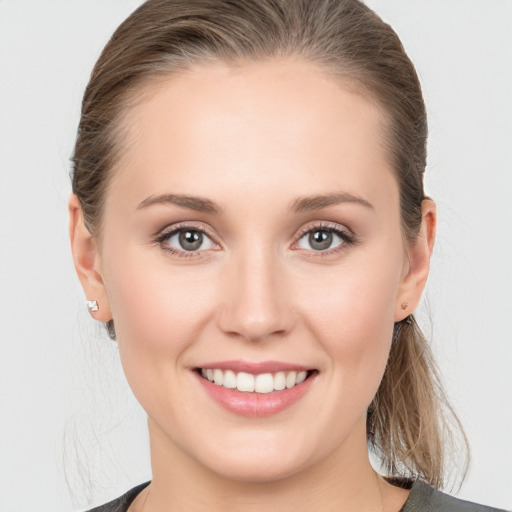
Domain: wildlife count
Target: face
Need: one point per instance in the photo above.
(251, 236)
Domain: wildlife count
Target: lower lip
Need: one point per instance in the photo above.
(256, 404)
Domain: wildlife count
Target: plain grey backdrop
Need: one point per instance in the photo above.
(70, 432)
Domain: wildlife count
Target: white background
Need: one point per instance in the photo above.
(67, 420)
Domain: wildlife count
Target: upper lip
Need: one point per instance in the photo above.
(253, 367)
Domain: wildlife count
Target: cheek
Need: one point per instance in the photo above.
(352, 316)
(158, 313)
(354, 298)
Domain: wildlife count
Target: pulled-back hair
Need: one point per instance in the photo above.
(349, 42)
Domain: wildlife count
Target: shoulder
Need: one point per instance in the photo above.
(122, 503)
(424, 498)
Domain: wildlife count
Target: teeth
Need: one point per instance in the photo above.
(301, 377)
(229, 379)
(264, 383)
(291, 379)
(218, 377)
(246, 382)
(279, 381)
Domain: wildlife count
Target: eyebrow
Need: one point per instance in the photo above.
(196, 203)
(300, 205)
(309, 203)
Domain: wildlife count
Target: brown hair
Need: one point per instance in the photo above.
(346, 39)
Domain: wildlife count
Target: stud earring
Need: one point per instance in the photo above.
(92, 305)
(407, 319)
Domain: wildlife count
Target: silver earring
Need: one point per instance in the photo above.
(92, 305)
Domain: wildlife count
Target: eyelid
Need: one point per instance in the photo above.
(172, 229)
(346, 234)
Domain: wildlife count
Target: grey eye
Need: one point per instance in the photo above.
(189, 240)
(320, 240)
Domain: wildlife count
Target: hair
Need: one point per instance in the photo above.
(346, 40)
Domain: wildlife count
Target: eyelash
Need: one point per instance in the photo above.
(348, 238)
(168, 233)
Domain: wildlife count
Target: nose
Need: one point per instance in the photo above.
(256, 303)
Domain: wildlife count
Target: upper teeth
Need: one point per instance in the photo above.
(262, 383)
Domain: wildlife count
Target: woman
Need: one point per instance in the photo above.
(249, 221)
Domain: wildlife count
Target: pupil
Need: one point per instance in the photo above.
(191, 240)
(320, 240)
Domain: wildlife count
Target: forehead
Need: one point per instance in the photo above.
(250, 125)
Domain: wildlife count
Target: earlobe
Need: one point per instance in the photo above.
(420, 251)
(86, 258)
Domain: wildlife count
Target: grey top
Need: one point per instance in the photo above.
(422, 498)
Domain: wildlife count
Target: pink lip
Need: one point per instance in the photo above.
(255, 404)
(255, 368)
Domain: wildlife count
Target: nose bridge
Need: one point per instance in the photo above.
(256, 304)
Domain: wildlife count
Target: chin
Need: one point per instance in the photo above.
(260, 470)
(261, 457)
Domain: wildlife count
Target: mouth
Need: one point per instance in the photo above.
(262, 383)
(255, 389)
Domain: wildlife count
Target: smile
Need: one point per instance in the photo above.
(249, 383)
(255, 389)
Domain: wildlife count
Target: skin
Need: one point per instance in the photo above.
(254, 139)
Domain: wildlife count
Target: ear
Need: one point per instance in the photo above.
(416, 271)
(87, 261)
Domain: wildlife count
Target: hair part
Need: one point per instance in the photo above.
(350, 42)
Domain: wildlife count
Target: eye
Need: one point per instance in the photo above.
(323, 238)
(186, 240)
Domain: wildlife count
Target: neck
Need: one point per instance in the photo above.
(345, 480)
